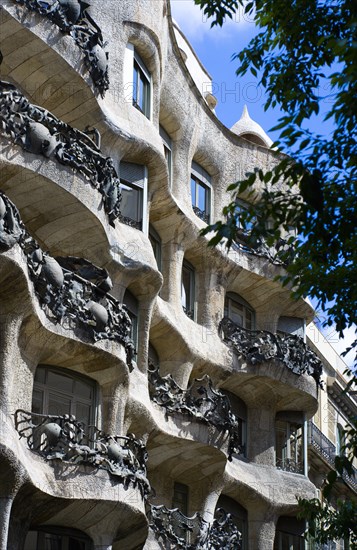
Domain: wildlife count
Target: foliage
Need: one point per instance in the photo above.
(303, 47)
(326, 523)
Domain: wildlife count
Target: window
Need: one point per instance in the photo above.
(239, 311)
(292, 325)
(54, 538)
(239, 409)
(133, 187)
(289, 449)
(180, 498)
(201, 192)
(141, 86)
(239, 516)
(340, 440)
(155, 241)
(289, 534)
(188, 289)
(59, 391)
(131, 304)
(166, 140)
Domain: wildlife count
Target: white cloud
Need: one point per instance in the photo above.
(195, 25)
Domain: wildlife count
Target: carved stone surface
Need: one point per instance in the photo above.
(243, 242)
(38, 131)
(64, 438)
(200, 402)
(72, 17)
(258, 346)
(178, 531)
(71, 291)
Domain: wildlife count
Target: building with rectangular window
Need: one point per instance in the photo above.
(154, 392)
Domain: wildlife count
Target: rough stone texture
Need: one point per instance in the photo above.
(63, 213)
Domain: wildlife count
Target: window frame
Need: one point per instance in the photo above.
(200, 179)
(189, 305)
(132, 305)
(237, 299)
(141, 76)
(167, 144)
(45, 388)
(140, 185)
(155, 241)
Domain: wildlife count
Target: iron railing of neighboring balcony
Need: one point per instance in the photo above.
(327, 450)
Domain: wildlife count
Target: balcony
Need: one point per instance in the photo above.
(243, 241)
(200, 402)
(72, 19)
(174, 528)
(63, 438)
(259, 346)
(39, 132)
(327, 450)
(71, 291)
(290, 465)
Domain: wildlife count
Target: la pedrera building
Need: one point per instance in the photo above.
(155, 393)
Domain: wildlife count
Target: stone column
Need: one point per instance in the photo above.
(5, 511)
(261, 530)
(261, 435)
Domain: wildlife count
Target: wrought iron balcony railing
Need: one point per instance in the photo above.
(178, 531)
(243, 242)
(71, 291)
(38, 131)
(290, 465)
(259, 346)
(72, 18)
(325, 448)
(64, 438)
(202, 214)
(200, 401)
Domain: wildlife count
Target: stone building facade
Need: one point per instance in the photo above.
(155, 393)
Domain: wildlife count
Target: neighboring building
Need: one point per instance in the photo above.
(184, 419)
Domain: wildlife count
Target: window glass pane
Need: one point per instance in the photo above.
(202, 198)
(83, 413)
(37, 401)
(131, 202)
(193, 191)
(60, 382)
(40, 375)
(58, 404)
(135, 84)
(180, 498)
(82, 389)
(186, 288)
(52, 542)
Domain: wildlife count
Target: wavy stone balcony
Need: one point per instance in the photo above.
(327, 450)
(71, 291)
(200, 402)
(64, 438)
(73, 19)
(259, 346)
(39, 132)
(178, 531)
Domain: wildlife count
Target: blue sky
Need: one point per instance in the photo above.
(215, 47)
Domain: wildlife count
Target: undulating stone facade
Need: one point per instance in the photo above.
(154, 392)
